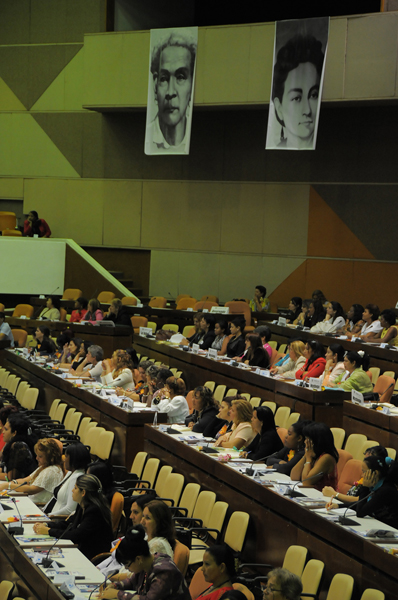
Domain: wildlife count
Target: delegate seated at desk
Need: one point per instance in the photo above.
(51, 311)
(118, 313)
(318, 467)
(354, 377)
(389, 333)
(117, 371)
(5, 330)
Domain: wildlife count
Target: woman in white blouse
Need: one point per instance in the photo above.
(295, 362)
(242, 433)
(39, 485)
(175, 404)
(117, 372)
(334, 321)
(77, 459)
(334, 364)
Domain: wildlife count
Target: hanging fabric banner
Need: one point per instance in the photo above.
(297, 79)
(172, 62)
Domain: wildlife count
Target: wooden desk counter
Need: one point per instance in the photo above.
(109, 338)
(127, 426)
(321, 406)
(372, 423)
(277, 522)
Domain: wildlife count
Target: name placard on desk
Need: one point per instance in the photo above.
(212, 353)
(195, 348)
(357, 397)
(144, 331)
(315, 383)
(220, 310)
(282, 321)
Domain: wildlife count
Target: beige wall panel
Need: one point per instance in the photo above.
(333, 85)
(199, 273)
(242, 222)
(65, 92)
(260, 62)
(181, 215)
(275, 269)
(134, 77)
(164, 273)
(371, 56)
(122, 213)
(286, 219)
(25, 150)
(102, 69)
(11, 188)
(226, 75)
(239, 274)
(8, 100)
(200, 68)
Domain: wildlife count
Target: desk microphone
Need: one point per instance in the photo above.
(343, 520)
(250, 471)
(111, 574)
(15, 528)
(46, 561)
(291, 493)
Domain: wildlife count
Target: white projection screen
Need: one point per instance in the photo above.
(32, 266)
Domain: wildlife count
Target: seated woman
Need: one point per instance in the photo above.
(260, 302)
(158, 524)
(204, 414)
(293, 450)
(221, 330)
(316, 313)
(51, 311)
(158, 390)
(39, 485)
(218, 570)
(241, 433)
(94, 312)
(380, 480)
(319, 296)
(117, 372)
(5, 412)
(314, 366)
(153, 577)
(139, 387)
(265, 334)
(334, 364)
(45, 345)
(79, 357)
(354, 321)
(354, 376)
(283, 585)
(18, 453)
(71, 352)
(318, 467)
(77, 459)
(224, 418)
(103, 471)
(372, 324)
(352, 494)
(236, 343)
(91, 524)
(334, 320)
(295, 309)
(118, 313)
(175, 405)
(389, 333)
(80, 311)
(304, 319)
(296, 361)
(207, 331)
(254, 355)
(267, 440)
(195, 337)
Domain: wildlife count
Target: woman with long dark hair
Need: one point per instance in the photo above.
(315, 363)
(267, 440)
(334, 364)
(18, 453)
(293, 450)
(318, 467)
(218, 570)
(254, 355)
(153, 577)
(378, 495)
(91, 524)
(334, 320)
(45, 345)
(204, 411)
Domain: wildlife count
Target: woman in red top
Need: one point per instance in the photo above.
(218, 570)
(315, 363)
(35, 226)
(318, 467)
